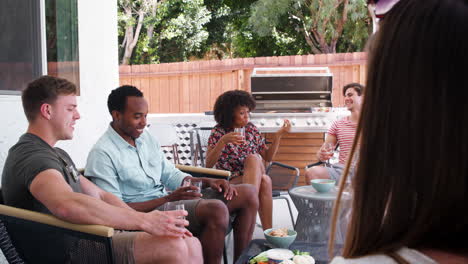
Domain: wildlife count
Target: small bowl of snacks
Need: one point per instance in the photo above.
(280, 237)
(322, 185)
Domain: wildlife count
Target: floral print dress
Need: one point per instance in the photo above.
(233, 156)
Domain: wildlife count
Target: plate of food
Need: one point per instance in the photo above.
(282, 256)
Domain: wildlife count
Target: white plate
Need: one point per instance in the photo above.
(279, 254)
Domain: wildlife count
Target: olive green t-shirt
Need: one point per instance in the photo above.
(26, 159)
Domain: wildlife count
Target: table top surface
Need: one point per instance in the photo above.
(319, 251)
(309, 192)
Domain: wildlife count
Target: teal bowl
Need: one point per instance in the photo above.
(322, 185)
(281, 242)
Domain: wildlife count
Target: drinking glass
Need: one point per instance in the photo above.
(187, 182)
(197, 184)
(176, 205)
(172, 206)
(240, 130)
(327, 149)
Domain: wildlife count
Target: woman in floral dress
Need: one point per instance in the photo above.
(243, 156)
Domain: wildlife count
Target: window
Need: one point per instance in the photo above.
(29, 50)
(62, 39)
(20, 52)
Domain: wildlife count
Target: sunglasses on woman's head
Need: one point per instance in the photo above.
(382, 7)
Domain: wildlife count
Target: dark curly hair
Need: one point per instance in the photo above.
(226, 104)
(118, 97)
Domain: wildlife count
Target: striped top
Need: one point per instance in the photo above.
(344, 131)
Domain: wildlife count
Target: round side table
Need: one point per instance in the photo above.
(315, 211)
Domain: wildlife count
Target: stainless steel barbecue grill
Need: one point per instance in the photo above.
(290, 90)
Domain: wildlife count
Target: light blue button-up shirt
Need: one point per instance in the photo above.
(134, 174)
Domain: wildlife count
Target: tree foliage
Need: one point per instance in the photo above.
(132, 15)
(231, 34)
(322, 23)
(170, 32)
(181, 30)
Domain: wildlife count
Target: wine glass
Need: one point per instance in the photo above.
(327, 149)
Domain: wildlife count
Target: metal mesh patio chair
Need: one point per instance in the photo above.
(283, 178)
(198, 145)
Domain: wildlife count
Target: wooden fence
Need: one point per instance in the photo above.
(192, 87)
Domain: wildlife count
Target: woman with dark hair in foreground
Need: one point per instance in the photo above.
(243, 155)
(410, 201)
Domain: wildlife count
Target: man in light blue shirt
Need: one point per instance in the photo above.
(129, 163)
(132, 179)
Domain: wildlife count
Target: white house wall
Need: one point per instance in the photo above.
(99, 74)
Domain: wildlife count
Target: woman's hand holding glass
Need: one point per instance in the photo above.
(234, 138)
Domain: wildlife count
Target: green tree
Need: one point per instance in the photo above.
(231, 35)
(183, 30)
(322, 23)
(180, 30)
(161, 31)
(131, 18)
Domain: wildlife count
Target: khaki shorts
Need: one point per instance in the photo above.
(122, 244)
(123, 241)
(191, 205)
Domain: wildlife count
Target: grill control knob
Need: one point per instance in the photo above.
(262, 121)
(293, 121)
(317, 121)
(309, 121)
(278, 122)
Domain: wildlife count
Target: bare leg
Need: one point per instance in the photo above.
(254, 173)
(214, 216)
(153, 249)
(316, 172)
(245, 205)
(266, 202)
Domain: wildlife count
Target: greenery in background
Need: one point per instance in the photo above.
(231, 35)
(182, 30)
(167, 31)
(62, 38)
(321, 23)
